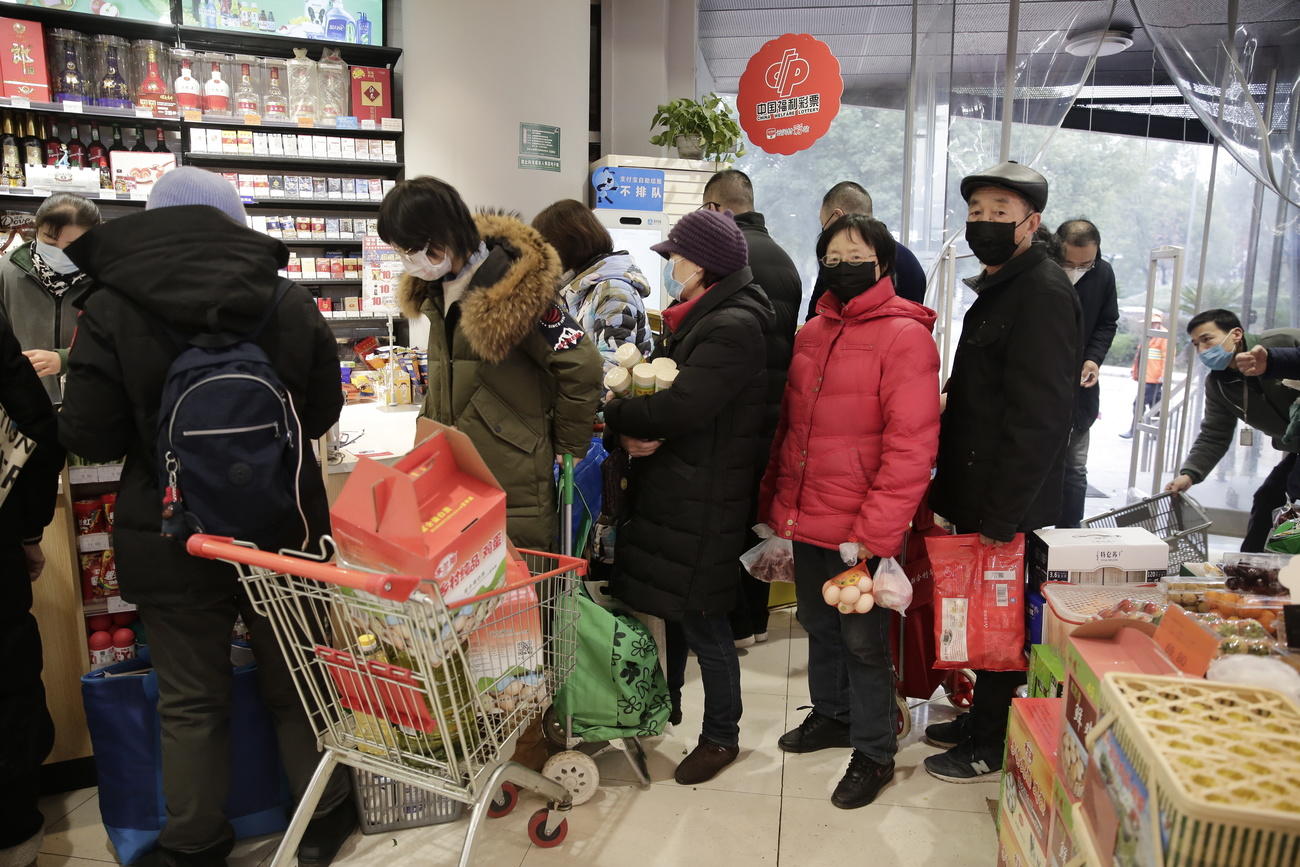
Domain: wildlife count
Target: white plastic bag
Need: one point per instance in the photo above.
(771, 559)
(891, 586)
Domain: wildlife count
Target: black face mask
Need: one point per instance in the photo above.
(846, 281)
(992, 243)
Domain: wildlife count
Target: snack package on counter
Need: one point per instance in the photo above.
(980, 602)
(772, 559)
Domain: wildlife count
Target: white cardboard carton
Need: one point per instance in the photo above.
(1098, 555)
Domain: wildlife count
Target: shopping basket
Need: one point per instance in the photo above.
(1176, 518)
(438, 697)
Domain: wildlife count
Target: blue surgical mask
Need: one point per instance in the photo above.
(672, 285)
(1216, 357)
(55, 258)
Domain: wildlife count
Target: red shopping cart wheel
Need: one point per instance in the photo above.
(960, 687)
(504, 802)
(902, 717)
(537, 830)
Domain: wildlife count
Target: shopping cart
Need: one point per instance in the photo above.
(1176, 518)
(401, 685)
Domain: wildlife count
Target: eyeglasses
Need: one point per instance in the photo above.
(832, 260)
(1068, 267)
(710, 206)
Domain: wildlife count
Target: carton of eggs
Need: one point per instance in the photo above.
(850, 591)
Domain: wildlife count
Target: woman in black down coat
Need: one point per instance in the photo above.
(695, 450)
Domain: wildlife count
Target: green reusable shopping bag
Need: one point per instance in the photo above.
(617, 689)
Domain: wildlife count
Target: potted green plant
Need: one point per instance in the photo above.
(700, 130)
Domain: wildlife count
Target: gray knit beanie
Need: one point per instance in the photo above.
(188, 185)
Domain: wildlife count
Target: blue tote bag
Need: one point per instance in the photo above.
(122, 714)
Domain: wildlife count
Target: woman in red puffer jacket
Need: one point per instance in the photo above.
(850, 463)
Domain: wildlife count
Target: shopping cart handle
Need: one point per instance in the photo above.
(395, 587)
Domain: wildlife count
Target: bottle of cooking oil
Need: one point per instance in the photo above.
(374, 733)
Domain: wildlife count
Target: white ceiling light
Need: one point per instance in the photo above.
(1112, 42)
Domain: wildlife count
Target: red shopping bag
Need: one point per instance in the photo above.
(916, 673)
(979, 603)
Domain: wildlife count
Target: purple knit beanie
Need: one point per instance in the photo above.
(710, 239)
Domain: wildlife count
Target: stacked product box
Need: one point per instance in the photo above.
(1106, 556)
(309, 187)
(245, 142)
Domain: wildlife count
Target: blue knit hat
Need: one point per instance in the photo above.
(710, 239)
(188, 185)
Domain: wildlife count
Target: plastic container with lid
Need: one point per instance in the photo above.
(101, 649)
(1069, 606)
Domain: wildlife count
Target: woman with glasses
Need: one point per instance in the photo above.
(850, 463)
(507, 365)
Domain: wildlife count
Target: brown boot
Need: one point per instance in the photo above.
(704, 763)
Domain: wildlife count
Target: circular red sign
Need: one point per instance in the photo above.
(789, 94)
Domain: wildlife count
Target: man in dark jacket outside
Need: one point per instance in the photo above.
(30, 461)
(1009, 405)
(1232, 395)
(1094, 281)
(189, 266)
(776, 274)
(848, 197)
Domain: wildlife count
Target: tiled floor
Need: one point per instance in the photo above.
(768, 808)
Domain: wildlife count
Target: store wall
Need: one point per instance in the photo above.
(471, 72)
(648, 57)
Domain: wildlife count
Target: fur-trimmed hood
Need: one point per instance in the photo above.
(509, 293)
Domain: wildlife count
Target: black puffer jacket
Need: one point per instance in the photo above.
(194, 269)
(691, 499)
(1011, 401)
(29, 505)
(776, 275)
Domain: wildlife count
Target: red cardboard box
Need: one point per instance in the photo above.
(1062, 846)
(1009, 854)
(22, 60)
(1029, 772)
(372, 93)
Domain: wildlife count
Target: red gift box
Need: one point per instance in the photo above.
(372, 93)
(22, 62)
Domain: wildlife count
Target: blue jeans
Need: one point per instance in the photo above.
(850, 669)
(1074, 492)
(709, 635)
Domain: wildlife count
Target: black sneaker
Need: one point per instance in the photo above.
(325, 835)
(965, 763)
(816, 732)
(948, 734)
(861, 782)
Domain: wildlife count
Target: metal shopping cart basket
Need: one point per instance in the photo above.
(1176, 518)
(404, 686)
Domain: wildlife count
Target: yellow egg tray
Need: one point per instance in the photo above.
(1223, 762)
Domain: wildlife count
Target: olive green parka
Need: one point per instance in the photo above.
(510, 369)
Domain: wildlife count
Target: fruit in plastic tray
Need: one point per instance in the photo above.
(1132, 609)
(1256, 575)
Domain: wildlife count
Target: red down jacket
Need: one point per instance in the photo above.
(859, 424)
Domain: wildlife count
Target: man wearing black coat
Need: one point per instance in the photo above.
(189, 266)
(774, 273)
(1094, 280)
(30, 460)
(1007, 418)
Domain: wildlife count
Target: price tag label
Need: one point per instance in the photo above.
(306, 122)
(72, 106)
(83, 475)
(347, 122)
(110, 473)
(392, 124)
(118, 605)
(192, 115)
(368, 123)
(20, 102)
(251, 119)
(144, 112)
(93, 542)
(1187, 643)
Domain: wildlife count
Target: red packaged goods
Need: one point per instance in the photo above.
(101, 649)
(124, 618)
(123, 644)
(109, 502)
(979, 619)
(372, 93)
(89, 515)
(22, 60)
(101, 623)
(92, 575)
(109, 573)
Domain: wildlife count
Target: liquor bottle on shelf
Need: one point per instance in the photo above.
(33, 149)
(216, 93)
(50, 141)
(97, 157)
(153, 93)
(161, 139)
(189, 92)
(140, 143)
(275, 106)
(363, 29)
(76, 147)
(71, 85)
(208, 15)
(112, 87)
(118, 144)
(246, 99)
(9, 154)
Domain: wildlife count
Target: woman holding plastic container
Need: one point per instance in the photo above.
(850, 463)
(603, 289)
(695, 452)
(40, 287)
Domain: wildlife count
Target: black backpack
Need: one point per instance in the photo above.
(230, 446)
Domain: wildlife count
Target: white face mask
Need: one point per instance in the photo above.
(417, 264)
(55, 258)
(1075, 274)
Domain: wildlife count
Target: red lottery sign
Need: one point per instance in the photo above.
(789, 94)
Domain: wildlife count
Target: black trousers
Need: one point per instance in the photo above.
(26, 730)
(190, 648)
(1279, 486)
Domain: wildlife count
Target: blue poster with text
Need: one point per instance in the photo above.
(629, 189)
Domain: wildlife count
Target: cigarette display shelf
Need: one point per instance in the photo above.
(305, 281)
(321, 242)
(378, 167)
(328, 204)
(221, 122)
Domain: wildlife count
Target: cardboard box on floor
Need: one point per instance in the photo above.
(1029, 770)
(1009, 854)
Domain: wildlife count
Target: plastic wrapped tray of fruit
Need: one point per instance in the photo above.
(1242, 635)
(1266, 610)
(1256, 574)
(1133, 609)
